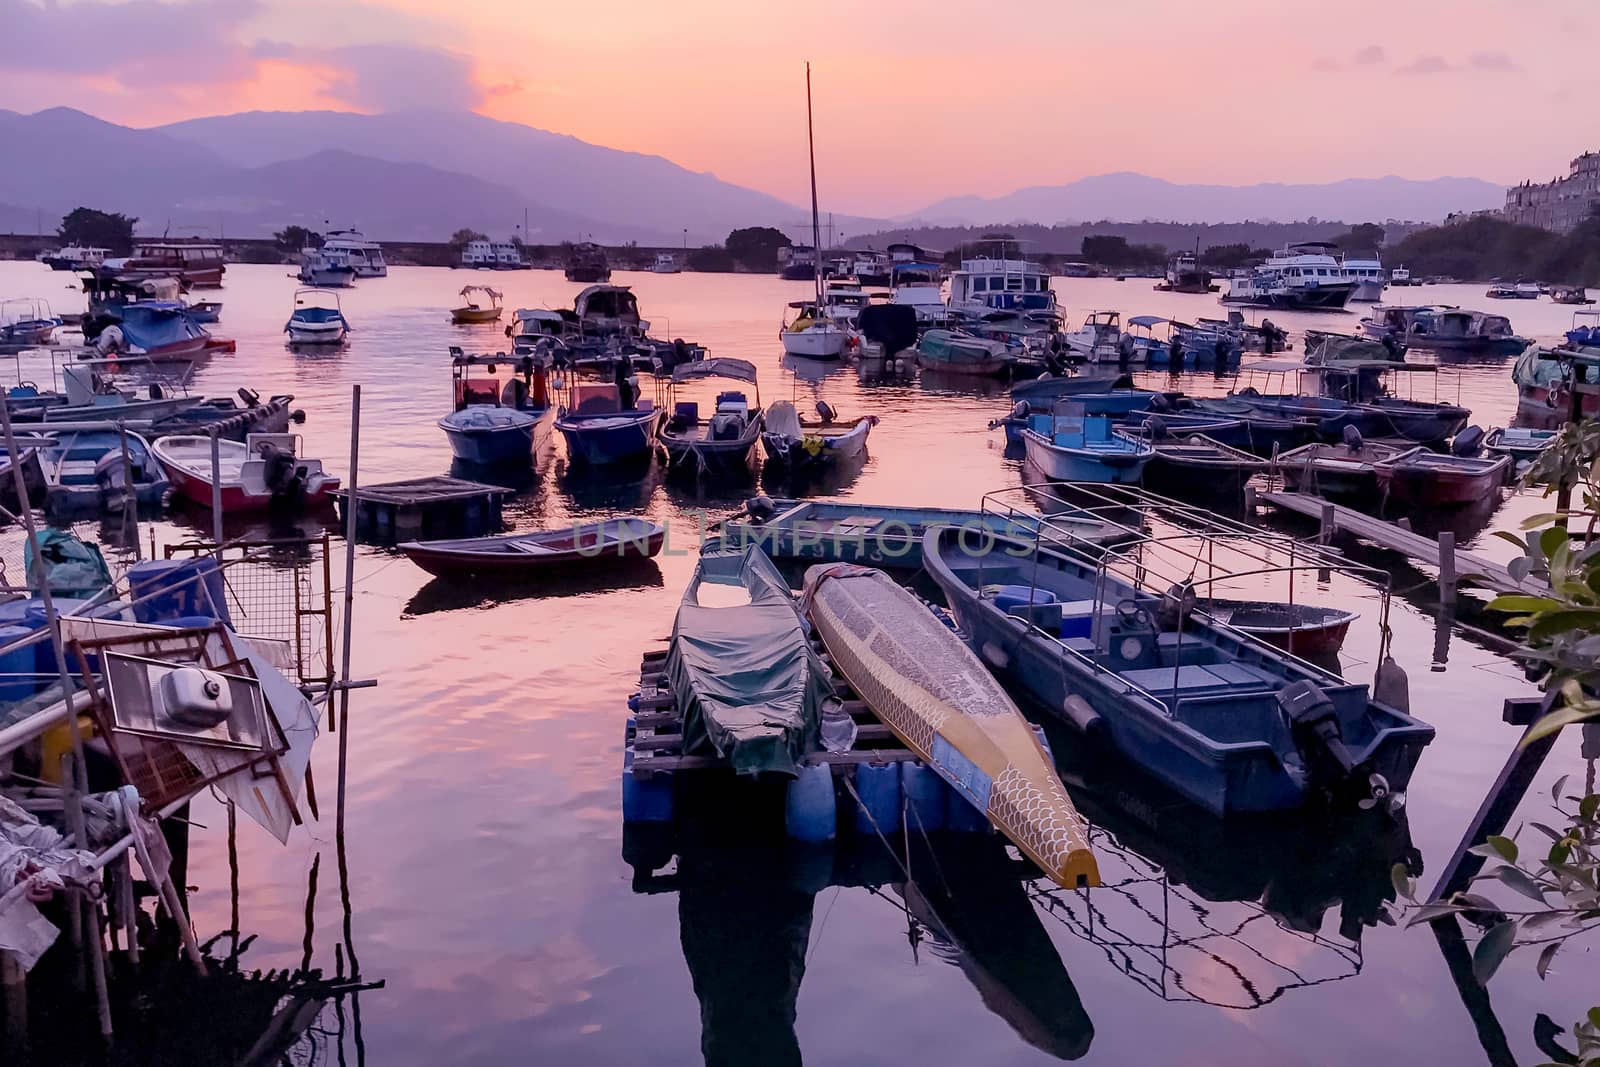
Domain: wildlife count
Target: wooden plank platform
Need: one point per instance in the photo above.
(1469, 567)
(422, 508)
(657, 739)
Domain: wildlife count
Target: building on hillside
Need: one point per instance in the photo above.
(1557, 205)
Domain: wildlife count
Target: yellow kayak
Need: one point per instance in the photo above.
(940, 700)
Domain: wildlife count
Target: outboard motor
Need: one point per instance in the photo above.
(1161, 402)
(1353, 439)
(1156, 427)
(1021, 410)
(825, 412)
(282, 480)
(1314, 725)
(1468, 442)
(760, 508)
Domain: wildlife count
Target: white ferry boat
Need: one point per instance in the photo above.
(364, 255)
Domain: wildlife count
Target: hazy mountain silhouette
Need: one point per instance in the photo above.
(629, 191)
(425, 174)
(1131, 197)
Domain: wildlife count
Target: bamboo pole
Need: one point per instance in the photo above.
(216, 486)
(130, 500)
(352, 505)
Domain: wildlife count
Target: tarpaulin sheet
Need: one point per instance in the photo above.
(745, 680)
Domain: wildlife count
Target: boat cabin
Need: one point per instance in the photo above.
(498, 380)
(602, 310)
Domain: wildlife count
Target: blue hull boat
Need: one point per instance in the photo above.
(604, 438)
(1264, 433)
(1228, 721)
(487, 436)
(1116, 402)
(1085, 449)
(1158, 424)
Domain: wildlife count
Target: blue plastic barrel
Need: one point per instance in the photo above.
(182, 587)
(644, 799)
(19, 668)
(924, 793)
(808, 812)
(879, 791)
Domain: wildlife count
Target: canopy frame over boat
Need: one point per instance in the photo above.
(471, 311)
(706, 442)
(1168, 542)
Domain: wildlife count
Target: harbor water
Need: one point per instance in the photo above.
(487, 883)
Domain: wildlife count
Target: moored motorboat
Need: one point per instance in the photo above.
(326, 268)
(539, 551)
(1159, 424)
(1429, 479)
(496, 421)
(1306, 630)
(600, 431)
(956, 352)
(85, 469)
(471, 312)
(744, 679)
(1346, 469)
(1264, 433)
(721, 444)
(791, 441)
(204, 310)
(936, 696)
(1192, 464)
(264, 473)
(317, 318)
(1522, 444)
(162, 331)
(1069, 446)
(1226, 720)
(26, 322)
(810, 334)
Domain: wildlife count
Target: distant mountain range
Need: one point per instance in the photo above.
(421, 175)
(1130, 197)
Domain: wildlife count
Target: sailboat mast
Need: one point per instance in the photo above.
(816, 224)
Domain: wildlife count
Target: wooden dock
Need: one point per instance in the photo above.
(1456, 566)
(657, 738)
(423, 508)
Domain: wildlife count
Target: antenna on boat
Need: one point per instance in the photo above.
(816, 224)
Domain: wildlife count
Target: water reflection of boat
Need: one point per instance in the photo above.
(745, 920)
(457, 593)
(1226, 913)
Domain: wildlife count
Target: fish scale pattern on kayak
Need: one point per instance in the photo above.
(933, 693)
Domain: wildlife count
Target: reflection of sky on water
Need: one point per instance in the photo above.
(484, 830)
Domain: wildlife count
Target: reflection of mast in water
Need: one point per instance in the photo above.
(744, 933)
(972, 902)
(1196, 910)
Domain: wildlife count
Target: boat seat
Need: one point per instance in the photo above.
(1081, 645)
(1178, 648)
(1046, 617)
(1191, 679)
(531, 548)
(1245, 674)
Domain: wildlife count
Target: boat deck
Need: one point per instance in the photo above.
(656, 741)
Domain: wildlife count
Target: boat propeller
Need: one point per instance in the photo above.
(1392, 801)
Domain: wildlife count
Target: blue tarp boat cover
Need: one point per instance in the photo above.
(746, 681)
(157, 324)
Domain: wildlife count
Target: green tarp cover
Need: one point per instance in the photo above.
(745, 680)
(69, 566)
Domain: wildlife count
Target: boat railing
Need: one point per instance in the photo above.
(1194, 549)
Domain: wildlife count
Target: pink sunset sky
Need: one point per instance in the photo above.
(914, 100)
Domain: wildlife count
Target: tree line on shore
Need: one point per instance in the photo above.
(1477, 247)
